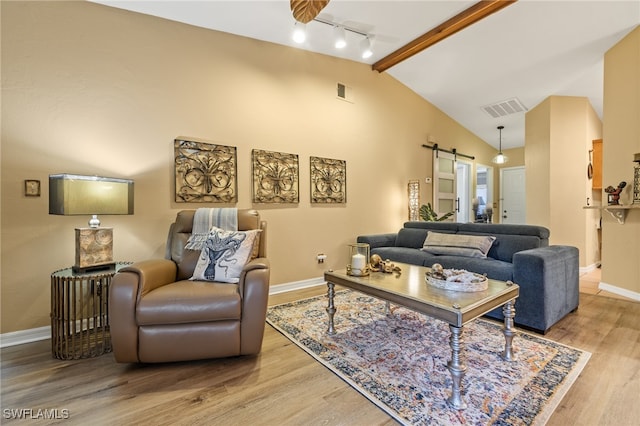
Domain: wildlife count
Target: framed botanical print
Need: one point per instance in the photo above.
(328, 180)
(205, 172)
(275, 177)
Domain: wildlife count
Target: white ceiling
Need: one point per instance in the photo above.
(529, 50)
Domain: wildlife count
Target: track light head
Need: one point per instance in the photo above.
(339, 37)
(367, 52)
(299, 32)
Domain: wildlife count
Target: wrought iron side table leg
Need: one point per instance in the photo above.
(509, 312)
(331, 309)
(457, 368)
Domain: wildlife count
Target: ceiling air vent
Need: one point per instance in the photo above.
(506, 107)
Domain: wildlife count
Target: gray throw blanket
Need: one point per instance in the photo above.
(205, 218)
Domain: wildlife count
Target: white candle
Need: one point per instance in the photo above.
(358, 261)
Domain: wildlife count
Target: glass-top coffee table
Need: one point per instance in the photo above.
(409, 289)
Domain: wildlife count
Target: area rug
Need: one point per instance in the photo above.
(399, 362)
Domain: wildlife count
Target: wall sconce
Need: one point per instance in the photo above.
(91, 195)
(414, 199)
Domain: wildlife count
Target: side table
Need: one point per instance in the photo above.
(80, 312)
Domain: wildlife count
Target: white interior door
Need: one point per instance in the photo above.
(463, 188)
(512, 195)
(444, 183)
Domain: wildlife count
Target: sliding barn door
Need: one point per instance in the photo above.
(444, 183)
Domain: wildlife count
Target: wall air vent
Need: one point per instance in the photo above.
(345, 93)
(506, 107)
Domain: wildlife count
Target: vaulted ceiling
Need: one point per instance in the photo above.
(526, 51)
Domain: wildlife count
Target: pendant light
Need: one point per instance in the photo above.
(500, 158)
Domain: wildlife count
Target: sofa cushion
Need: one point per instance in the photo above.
(458, 244)
(494, 269)
(411, 238)
(404, 255)
(186, 302)
(505, 246)
(444, 227)
(224, 255)
(510, 239)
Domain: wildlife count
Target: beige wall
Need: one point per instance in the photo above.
(537, 164)
(559, 132)
(621, 243)
(89, 89)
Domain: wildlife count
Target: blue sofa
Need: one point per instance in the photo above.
(547, 275)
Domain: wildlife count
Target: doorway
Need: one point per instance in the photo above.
(512, 195)
(484, 193)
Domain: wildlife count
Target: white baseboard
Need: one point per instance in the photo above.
(619, 291)
(586, 269)
(297, 285)
(25, 336)
(42, 333)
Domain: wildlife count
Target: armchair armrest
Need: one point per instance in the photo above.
(127, 286)
(254, 290)
(152, 273)
(378, 240)
(549, 283)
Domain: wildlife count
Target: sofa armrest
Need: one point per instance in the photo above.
(549, 284)
(378, 240)
(254, 289)
(127, 286)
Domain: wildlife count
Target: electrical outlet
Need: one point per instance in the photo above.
(321, 257)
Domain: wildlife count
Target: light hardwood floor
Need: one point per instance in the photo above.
(284, 385)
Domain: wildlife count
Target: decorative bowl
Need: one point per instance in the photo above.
(458, 280)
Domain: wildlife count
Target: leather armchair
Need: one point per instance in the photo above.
(157, 314)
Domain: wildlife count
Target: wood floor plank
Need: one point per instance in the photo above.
(286, 386)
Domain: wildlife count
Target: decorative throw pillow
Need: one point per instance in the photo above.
(224, 255)
(255, 251)
(458, 244)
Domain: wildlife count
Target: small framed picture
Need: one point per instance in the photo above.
(32, 188)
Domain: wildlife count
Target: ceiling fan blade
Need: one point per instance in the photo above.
(305, 10)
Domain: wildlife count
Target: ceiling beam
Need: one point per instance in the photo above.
(469, 16)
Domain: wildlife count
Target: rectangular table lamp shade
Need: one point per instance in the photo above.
(89, 195)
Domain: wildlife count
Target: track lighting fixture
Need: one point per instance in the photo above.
(339, 36)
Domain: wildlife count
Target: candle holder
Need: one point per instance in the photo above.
(358, 260)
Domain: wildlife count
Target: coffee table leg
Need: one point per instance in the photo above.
(387, 308)
(456, 368)
(331, 309)
(509, 312)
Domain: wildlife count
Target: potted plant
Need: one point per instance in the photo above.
(429, 215)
